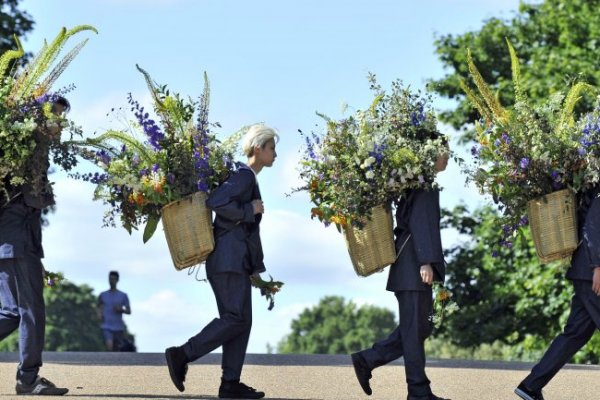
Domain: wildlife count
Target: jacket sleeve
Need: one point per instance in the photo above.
(591, 232)
(226, 202)
(424, 225)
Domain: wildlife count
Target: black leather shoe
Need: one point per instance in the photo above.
(430, 397)
(177, 362)
(363, 373)
(238, 390)
(527, 394)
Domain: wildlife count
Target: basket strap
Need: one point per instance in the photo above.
(402, 247)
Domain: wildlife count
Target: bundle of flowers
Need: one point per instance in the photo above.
(27, 124)
(371, 157)
(529, 151)
(154, 162)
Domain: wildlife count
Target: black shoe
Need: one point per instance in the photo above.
(363, 373)
(41, 387)
(238, 390)
(527, 394)
(430, 397)
(177, 362)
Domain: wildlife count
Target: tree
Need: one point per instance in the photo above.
(13, 21)
(510, 299)
(335, 326)
(71, 322)
(556, 41)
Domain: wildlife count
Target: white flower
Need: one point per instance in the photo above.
(370, 175)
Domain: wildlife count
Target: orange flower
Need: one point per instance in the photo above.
(136, 198)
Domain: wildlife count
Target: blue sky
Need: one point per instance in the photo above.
(271, 61)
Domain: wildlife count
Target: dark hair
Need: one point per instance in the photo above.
(60, 100)
(113, 273)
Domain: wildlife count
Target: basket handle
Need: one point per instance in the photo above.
(402, 247)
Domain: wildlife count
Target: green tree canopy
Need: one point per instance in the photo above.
(557, 42)
(13, 21)
(71, 321)
(335, 326)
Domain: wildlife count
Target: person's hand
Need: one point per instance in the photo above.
(117, 308)
(258, 206)
(427, 274)
(596, 281)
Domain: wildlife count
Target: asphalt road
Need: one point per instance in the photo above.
(283, 377)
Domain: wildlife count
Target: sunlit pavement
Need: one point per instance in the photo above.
(145, 376)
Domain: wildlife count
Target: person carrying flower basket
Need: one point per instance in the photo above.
(528, 152)
(237, 256)
(31, 122)
(419, 264)
(584, 318)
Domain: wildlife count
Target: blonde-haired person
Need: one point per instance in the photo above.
(237, 256)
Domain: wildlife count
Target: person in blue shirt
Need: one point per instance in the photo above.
(112, 304)
(237, 256)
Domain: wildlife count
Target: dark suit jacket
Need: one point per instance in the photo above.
(417, 215)
(587, 255)
(237, 237)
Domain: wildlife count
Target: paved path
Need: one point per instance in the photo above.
(287, 377)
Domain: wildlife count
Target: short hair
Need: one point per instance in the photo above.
(60, 100)
(113, 273)
(258, 135)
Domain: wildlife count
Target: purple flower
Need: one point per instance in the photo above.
(524, 163)
(475, 151)
(170, 178)
(103, 157)
(506, 138)
(143, 172)
(150, 128)
(155, 167)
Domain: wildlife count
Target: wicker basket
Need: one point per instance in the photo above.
(553, 222)
(188, 229)
(372, 248)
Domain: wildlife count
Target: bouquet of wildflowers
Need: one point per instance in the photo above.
(530, 151)
(443, 305)
(371, 157)
(28, 127)
(150, 164)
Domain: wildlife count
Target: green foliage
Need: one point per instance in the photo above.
(556, 40)
(335, 326)
(71, 321)
(13, 22)
(511, 307)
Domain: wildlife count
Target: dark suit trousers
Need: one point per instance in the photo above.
(581, 325)
(232, 329)
(22, 307)
(408, 341)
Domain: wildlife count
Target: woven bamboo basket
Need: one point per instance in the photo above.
(188, 229)
(553, 222)
(372, 247)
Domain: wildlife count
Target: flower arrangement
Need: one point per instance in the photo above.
(29, 129)
(371, 157)
(443, 304)
(150, 164)
(529, 151)
(53, 279)
(267, 288)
